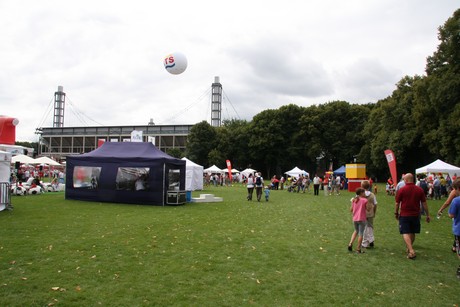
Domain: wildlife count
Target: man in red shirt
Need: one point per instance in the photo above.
(407, 212)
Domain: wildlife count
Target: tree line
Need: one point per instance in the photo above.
(419, 121)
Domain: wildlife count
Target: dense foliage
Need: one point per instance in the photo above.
(419, 122)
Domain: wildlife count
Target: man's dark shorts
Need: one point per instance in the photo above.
(409, 224)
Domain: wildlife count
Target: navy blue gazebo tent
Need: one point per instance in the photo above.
(126, 172)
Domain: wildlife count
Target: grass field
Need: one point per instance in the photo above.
(290, 251)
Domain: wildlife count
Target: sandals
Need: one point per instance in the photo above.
(358, 251)
(411, 256)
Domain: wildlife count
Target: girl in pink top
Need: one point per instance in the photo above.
(359, 206)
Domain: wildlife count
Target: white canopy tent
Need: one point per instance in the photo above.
(23, 159)
(213, 169)
(46, 160)
(193, 175)
(247, 171)
(234, 171)
(439, 166)
(296, 172)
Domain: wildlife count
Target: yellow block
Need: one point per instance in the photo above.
(355, 170)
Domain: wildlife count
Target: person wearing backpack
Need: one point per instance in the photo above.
(259, 184)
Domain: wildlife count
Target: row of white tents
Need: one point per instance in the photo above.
(23, 159)
(194, 173)
(6, 159)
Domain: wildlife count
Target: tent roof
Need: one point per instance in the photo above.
(23, 159)
(141, 151)
(438, 166)
(46, 160)
(213, 169)
(233, 170)
(296, 171)
(340, 170)
(190, 162)
(248, 171)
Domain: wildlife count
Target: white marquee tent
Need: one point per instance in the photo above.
(247, 171)
(439, 166)
(234, 171)
(296, 172)
(193, 175)
(46, 160)
(23, 159)
(213, 170)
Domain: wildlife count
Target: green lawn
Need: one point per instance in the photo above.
(291, 251)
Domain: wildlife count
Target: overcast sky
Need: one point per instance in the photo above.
(108, 56)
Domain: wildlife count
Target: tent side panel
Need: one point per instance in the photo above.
(105, 188)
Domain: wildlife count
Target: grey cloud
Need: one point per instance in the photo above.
(279, 67)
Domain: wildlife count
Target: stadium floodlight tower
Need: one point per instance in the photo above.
(59, 101)
(216, 103)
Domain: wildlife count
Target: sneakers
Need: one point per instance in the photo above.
(371, 244)
(350, 247)
(458, 272)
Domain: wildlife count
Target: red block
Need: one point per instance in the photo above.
(8, 130)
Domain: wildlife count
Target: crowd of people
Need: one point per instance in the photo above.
(434, 186)
(29, 178)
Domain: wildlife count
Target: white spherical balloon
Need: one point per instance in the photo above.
(175, 63)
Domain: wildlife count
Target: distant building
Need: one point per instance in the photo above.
(60, 142)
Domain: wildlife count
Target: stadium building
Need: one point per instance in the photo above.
(59, 141)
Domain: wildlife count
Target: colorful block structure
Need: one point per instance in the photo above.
(355, 173)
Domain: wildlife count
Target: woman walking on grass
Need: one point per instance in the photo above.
(250, 186)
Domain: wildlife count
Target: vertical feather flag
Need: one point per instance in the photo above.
(391, 159)
(229, 167)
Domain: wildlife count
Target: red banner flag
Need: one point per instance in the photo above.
(229, 167)
(391, 159)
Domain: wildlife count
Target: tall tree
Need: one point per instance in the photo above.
(442, 94)
(391, 125)
(201, 141)
(271, 139)
(334, 132)
(233, 140)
